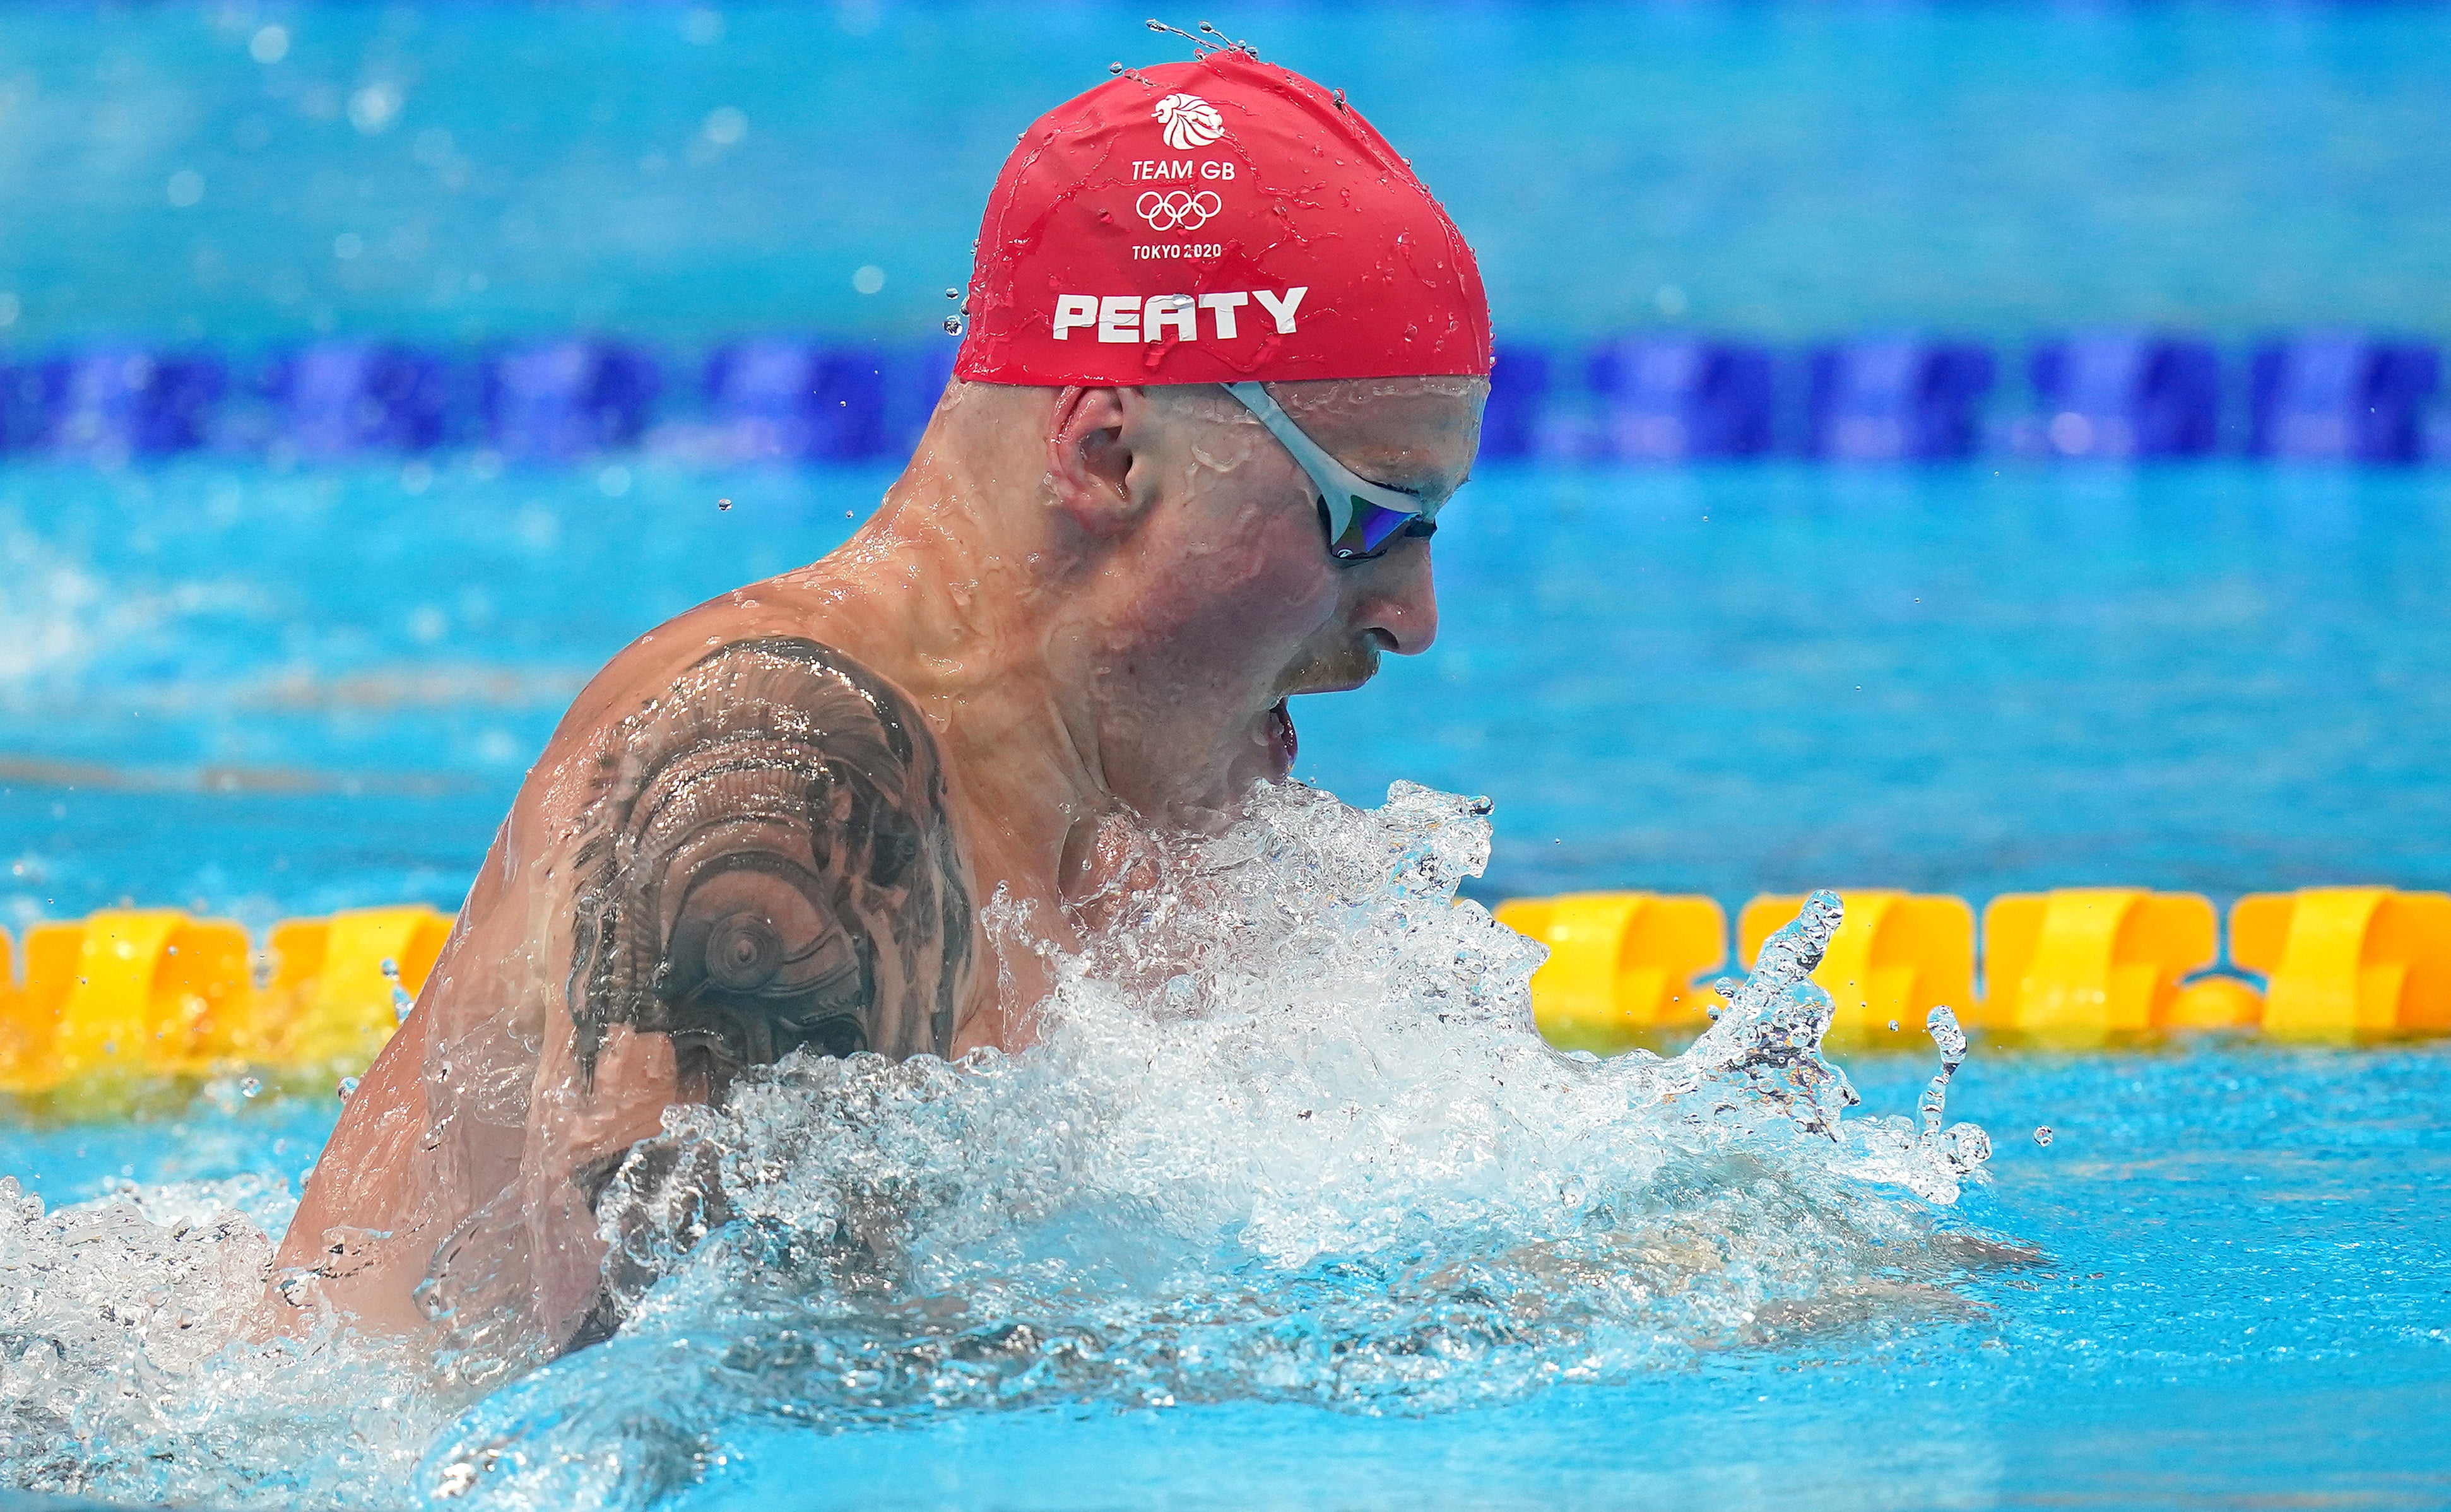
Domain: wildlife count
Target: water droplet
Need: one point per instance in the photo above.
(390, 970)
(1114, 67)
(1946, 1035)
(250, 1087)
(723, 504)
(2043, 1134)
(348, 1085)
(1894, 1026)
(953, 293)
(953, 325)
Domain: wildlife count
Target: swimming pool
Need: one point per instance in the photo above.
(261, 689)
(265, 702)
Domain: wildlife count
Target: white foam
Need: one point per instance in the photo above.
(1288, 1134)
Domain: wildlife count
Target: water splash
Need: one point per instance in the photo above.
(124, 1369)
(1289, 1135)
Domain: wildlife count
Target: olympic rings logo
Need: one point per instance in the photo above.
(1179, 211)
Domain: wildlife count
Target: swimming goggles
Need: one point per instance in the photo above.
(1361, 519)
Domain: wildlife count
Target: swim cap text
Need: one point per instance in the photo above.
(1155, 317)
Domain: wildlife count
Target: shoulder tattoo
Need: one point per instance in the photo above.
(766, 864)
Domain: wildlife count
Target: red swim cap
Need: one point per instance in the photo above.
(1214, 222)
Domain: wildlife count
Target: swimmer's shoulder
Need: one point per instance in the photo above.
(751, 829)
(778, 609)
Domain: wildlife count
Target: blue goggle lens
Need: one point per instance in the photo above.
(1370, 529)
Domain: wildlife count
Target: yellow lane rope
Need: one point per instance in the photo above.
(149, 996)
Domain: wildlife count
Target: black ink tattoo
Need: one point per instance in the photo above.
(767, 864)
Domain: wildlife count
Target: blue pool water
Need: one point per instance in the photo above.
(1793, 171)
(263, 693)
(259, 691)
(2245, 1295)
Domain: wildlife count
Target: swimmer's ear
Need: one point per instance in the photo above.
(1089, 462)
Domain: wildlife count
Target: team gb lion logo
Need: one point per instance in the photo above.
(1190, 122)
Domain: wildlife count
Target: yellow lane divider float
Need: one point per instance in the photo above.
(152, 995)
(1621, 965)
(2077, 968)
(2084, 964)
(1895, 957)
(2348, 962)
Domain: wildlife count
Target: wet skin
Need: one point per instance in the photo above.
(771, 823)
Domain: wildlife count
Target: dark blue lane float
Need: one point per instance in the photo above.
(2127, 394)
(1672, 399)
(337, 399)
(112, 403)
(1518, 397)
(1898, 398)
(2341, 397)
(559, 401)
(793, 399)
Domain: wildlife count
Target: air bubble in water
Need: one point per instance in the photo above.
(1894, 1026)
(2043, 1134)
(953, 325)
(250, 1087)
(348, 1085)
(723, 504)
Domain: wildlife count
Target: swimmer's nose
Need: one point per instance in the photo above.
(1399, 603)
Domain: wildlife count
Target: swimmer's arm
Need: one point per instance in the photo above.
(755, 860)
(763, 862)
(710, 868)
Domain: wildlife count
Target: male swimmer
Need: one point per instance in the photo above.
(1227, 361)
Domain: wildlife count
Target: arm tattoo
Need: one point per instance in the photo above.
(766, 863)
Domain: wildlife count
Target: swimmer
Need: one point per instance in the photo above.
(1226, 361)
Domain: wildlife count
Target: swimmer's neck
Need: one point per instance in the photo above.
(967, 591)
